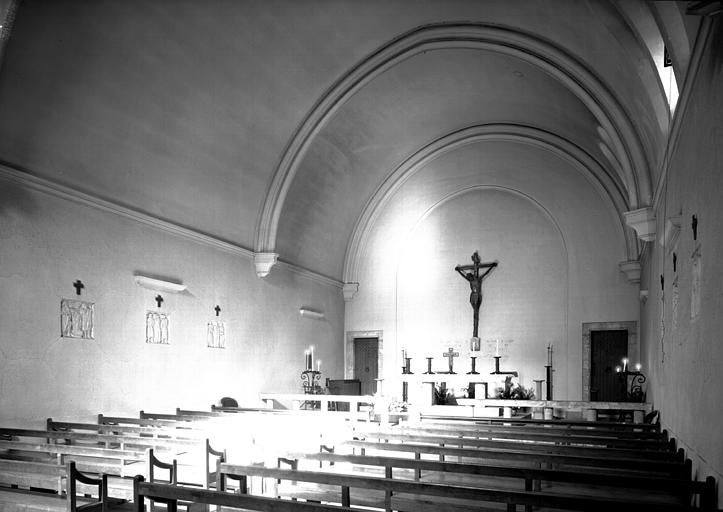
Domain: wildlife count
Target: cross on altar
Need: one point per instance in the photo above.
(450, 354)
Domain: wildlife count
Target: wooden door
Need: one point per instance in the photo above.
(607, 348)
(366, 363)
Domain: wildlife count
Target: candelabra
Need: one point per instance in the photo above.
(631, 382)
(310, 381)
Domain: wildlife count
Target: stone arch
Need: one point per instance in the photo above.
(553, 60)
(607, 185)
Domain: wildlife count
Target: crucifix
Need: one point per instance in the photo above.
(159, 299)
(78, 284)
(217, 309)
(472, 274)
(450, 354)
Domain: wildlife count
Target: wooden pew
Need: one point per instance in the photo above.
(162, 432)
(572, 428)
(45, 470)
(164, 438)
(24, 476)
(108, 441)
(650, 446)
(531, 477)
(670, 468)
(445, 493)
(173, 494)
(104, 419)
(562, 423)
(555, 446)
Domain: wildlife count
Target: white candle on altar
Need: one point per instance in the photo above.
(311, 347)
(625, 364)
(318, 365)
(307, 358)
(549, 354)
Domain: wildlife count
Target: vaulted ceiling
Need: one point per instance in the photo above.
(284, 126)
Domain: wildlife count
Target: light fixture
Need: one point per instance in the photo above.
(153, 283)
(310, 313)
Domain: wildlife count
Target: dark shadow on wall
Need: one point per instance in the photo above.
(15, 197)
(715, 47)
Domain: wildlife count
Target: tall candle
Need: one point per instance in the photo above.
(625, 364)
(497, 347)
(311, 366)
(549, 354)
(307, 354)
(318, 365)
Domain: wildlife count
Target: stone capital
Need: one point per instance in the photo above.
(643, 222)
(263, 261)
(349, 290)
(631, 269)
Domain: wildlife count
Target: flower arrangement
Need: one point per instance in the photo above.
(511, 392)
(398, 406)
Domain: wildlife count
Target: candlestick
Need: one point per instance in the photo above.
(474, 370)
(429, 367)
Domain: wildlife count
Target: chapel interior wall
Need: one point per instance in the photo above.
(47, 243)
(682, 323)
(558, 244)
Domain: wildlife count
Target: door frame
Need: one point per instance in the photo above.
(349, 351)
(633, 347)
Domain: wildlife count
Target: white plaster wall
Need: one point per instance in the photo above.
(525, 297)
(685, 353)
(557, 240)
(46, 243)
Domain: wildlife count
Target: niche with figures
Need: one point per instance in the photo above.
(77, 319)
(157, 327)
(216, 334)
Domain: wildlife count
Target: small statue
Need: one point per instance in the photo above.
(508, 386)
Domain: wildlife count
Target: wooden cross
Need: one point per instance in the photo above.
(217, 309)
(78, 286)
(450, 354)
(694, 225)
(159, 299)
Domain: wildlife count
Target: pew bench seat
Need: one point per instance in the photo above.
(32, 486)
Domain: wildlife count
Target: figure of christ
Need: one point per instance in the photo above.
(472, 274)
